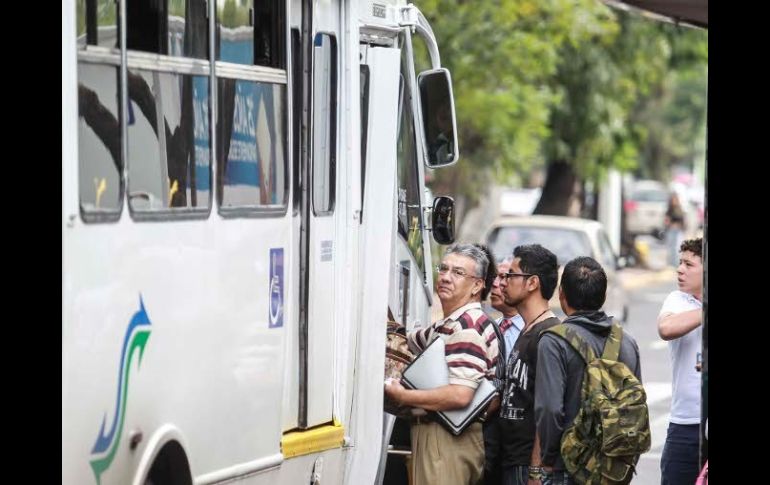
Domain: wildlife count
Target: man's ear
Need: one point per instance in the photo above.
(478, 289)
(563, 301)
(533, 282)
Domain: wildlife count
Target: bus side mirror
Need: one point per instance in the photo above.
(443, 220)
(438, 117)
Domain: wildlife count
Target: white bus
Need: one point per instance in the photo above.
(243, 207)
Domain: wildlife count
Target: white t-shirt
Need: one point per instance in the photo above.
(685, 352)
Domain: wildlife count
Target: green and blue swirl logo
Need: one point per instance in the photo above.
(137, 335)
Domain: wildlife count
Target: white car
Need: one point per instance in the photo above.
(567, 238)
(645, 207)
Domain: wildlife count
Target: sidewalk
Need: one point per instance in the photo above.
(634, 278)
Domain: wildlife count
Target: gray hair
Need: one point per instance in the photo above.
(473, 252)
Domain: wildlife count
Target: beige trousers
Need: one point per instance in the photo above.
(440, 458)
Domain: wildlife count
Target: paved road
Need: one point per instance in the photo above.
(645, 303)
(646, 292)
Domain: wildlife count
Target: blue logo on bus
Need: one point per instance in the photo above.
(107, 441)
(276, 287)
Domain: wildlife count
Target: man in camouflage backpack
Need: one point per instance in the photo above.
(590, 405)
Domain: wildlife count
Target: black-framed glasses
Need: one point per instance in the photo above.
(511, 274)
(458, 272)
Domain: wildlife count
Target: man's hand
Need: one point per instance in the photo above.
(393, 390)
(494, 405)
(546, 469)
(535, 478)
(451, 396)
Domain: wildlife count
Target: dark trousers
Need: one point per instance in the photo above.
(492, 444)
(516, 475)
(679, 464)
(494, 472)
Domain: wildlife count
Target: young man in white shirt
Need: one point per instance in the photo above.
(679, 322)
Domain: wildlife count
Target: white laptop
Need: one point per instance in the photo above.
(429, 370)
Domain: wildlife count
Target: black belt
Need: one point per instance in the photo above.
(423, 419)
(430, 418)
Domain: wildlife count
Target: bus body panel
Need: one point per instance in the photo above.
(188, 330)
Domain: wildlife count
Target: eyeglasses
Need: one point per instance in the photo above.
(511, 274)
(458, 272)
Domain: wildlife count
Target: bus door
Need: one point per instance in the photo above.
(381, 90)
(318, 209)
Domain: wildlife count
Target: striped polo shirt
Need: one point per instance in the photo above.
(470, 342)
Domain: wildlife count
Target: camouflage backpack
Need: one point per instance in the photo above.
(612, 427)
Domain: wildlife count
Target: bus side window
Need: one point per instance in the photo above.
(169, 27)
(169, 161)
(324, 123)
(97, 23)
(364, 130)
(251, 35)
(100, 174)
(252, 160)
(409, 213)
(252, 163)
(100, 159)
(296, 69)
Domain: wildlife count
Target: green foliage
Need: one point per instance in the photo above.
(541, 81)
(502, 55)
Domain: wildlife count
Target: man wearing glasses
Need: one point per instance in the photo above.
(528, 285)
(471, 353)
(510, 325)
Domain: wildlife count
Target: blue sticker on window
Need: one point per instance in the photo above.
(276, 287)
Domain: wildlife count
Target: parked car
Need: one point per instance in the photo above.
(645, 207)
(567, 238)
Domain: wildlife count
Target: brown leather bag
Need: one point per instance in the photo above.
(397, 358)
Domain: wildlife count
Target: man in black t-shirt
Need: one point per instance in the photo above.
(528, 285)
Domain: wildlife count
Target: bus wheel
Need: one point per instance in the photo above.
(170, 467)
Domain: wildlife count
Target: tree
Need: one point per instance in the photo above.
(601, 79)
(573, 86)
(673, 120)
(636, 102)
(502, 55)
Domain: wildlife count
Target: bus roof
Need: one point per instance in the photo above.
(693, 12)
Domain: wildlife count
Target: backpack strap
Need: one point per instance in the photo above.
(499, 377)
(612, 344)
(575, 340)
(500, 341)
